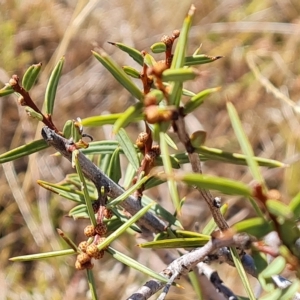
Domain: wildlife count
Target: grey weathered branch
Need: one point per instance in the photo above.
(210, 283)
(184, 264)
(212, 277)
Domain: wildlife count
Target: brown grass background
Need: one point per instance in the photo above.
(42, 31)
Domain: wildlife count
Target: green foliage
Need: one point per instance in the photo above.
(52, 86)
(30, 76)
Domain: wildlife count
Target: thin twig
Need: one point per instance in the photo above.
(179, 128)
(27, 101)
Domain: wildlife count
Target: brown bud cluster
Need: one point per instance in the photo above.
(108, 213)
(89, 251)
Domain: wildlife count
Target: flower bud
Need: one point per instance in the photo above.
(82, 246)
(83, 258)
(89, 231)
(101, 229)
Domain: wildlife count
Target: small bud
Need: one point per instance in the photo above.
(150, 156)
(82, 246)
(13, 81)
(152, 114)
(101, 229)
(108, 213)
(156, 150)
(166, 39)
(153, 97)
(99, 254)
(21, 101)
(274, 194)
(88, 265)
(142, 139)
(79, 266)
(168, 89)
(83, 258)
(176, 33)
(166, 115)
(89, 231)
(92, 250)
(150, 99)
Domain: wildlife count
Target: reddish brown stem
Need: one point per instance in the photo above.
(146, 80)
(27, 101)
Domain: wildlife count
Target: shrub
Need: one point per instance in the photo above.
(259, 246)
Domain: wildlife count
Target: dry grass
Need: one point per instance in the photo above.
(265, 31)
